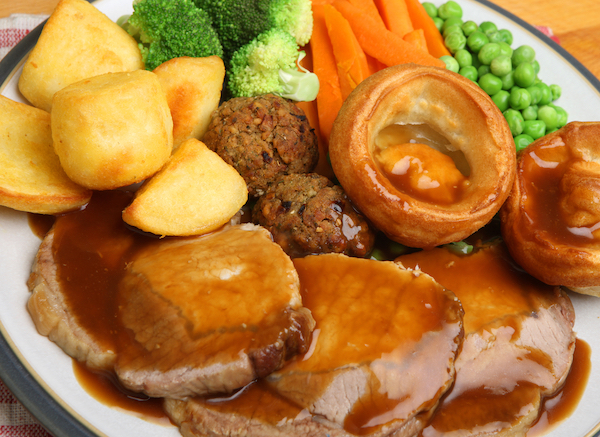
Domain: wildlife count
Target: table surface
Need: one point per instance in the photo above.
(576, 23)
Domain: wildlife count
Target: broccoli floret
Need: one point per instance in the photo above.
(268, 64)
(167, 29)
(237, 22)
(294, 16)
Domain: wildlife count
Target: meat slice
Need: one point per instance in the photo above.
(518, 347)
(383, 348)
(382, 355)
(54, 317)
(209, 314)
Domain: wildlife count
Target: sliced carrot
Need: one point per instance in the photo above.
(369, 7)
(395, 16)
(422, 20)
(374, 64)
(381, 43)
(329, 98)
(417, 37)
(321, 2)
(350, 58)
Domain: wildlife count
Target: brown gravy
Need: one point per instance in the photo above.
(514, 292)
(542, 170)
(101, 227)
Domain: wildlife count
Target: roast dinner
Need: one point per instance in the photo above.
(276, 265)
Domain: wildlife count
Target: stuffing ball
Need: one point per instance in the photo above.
(308, 214)
(263, 137)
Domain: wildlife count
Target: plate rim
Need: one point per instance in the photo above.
(55, 416)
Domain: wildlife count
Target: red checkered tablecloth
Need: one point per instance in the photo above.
(15, 421)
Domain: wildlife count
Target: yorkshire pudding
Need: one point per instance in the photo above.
(551, 220)
(424, 153)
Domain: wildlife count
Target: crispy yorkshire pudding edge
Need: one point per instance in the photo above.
(455, 108)
(549, 220)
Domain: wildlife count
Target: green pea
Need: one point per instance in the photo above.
(507, 36)
(477, 40)
(488, 52)
(505, 49)
(431, 9)
(549, 116)
(464, 58)
(476, 61)
(448, 30)
(451, 63)
(469, 72)
(534, 128)
(546, 93)
(500, 65)
(469, 27)
(483, 70)
(563, 117)
(450, 9)
(488, 27)
(556, 91)
(455, 41)
(453, 21)
(519, 98)
(490, 83)
(515, 121)
(523, 54)
(522, 141)
(536, 94)
(536, 66)
(501, 100)
(508, 80)
(530, 113)
(439, 23)
(524, 75)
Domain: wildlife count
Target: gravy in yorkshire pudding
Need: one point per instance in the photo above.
(551, 221)
(424, 153)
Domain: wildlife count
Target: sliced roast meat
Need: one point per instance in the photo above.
(382, 355)
(518, 347)
(209, 314)
(259, 412)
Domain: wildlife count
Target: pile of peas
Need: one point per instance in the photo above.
(483, 54)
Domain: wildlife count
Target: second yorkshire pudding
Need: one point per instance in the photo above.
(424, 153)
(551, 220)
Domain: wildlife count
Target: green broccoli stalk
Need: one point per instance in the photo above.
(268, 64)
(238, 22)
(167, 29)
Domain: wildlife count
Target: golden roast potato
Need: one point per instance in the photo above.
(31, 178)
(77, 42)
(193, 87)
(194, 193)
(112, 130)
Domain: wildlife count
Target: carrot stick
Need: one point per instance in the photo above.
(421, 20)
(395, 16)
(381, 43)
(417, 37)
(350, 58)
(369, 8)
(329, 98)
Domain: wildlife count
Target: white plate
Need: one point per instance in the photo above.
(41, 375)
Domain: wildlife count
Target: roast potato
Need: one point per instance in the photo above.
(78, 41)
(194, 193)
(193, 88)
(31, 177)
(112, 130)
